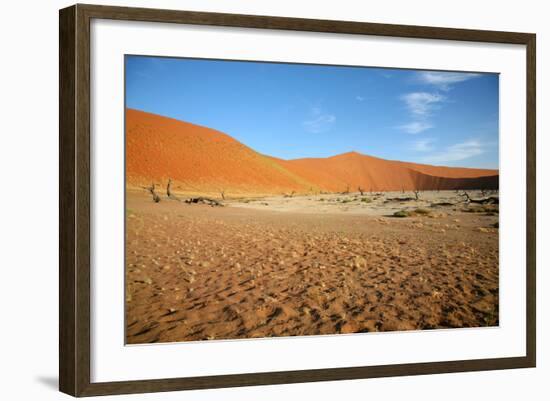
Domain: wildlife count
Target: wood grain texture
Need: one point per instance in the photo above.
(531, 229)
(67, 293)
(74, 199)
(302, 376)
(301, 24)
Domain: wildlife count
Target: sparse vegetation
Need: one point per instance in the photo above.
(412, 213)
(489, 210)
(438, 204)
(401, 213)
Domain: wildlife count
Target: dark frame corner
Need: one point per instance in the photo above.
(74, 199)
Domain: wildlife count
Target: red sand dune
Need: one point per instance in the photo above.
(198, 158)
(201, 159)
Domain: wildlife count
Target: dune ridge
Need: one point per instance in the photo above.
(200, 159)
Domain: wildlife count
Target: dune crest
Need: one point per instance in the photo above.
(201, 159)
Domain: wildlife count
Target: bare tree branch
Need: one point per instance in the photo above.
(489, 200)
(202, 199)
(151, 190)
(169, 191)
(289, 195)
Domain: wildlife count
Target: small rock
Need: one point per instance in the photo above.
(359, 262)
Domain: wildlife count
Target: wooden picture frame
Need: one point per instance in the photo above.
(74, 199)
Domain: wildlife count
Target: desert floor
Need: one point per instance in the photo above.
(308, 265)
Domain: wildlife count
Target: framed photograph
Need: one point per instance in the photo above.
(250, 200)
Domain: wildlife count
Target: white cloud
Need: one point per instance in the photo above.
(456, 152)
(444, 80)
(423, 145)
(319, 121)
(415, 127)
(422, 103)
(359, 98)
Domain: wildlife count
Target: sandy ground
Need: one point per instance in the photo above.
(372, 204)
(305, 266)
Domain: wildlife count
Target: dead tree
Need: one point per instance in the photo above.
(361, 190)
(169, 192)
(207, 201)
(346, 191)
(222, 193)
(404, 199)
(493, 200)
(151, 190)
(289, 195)
(465, 195)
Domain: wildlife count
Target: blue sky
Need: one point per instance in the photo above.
(294, 110)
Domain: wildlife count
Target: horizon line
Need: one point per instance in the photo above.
(497, 169)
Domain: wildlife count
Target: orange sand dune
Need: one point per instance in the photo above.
(198, 158)
(202, 159)
(449, 172)
(371, 173)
